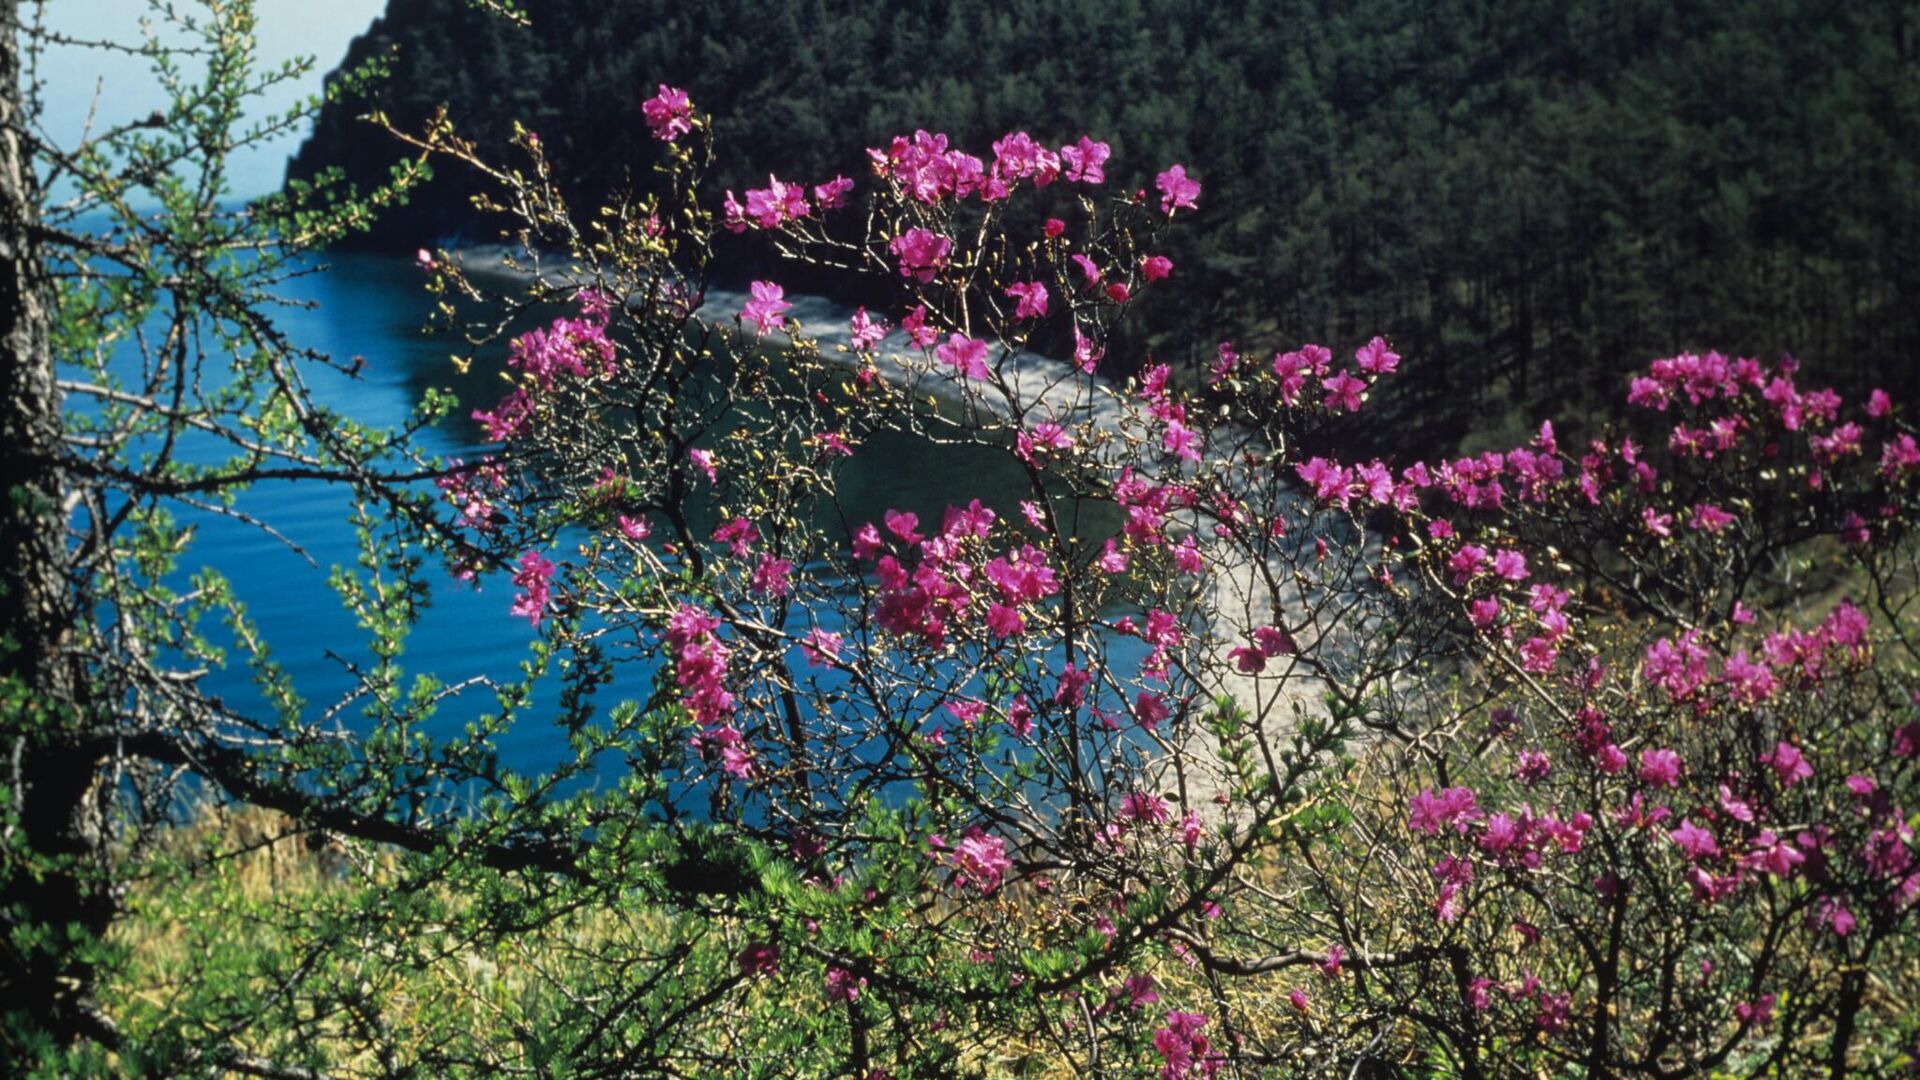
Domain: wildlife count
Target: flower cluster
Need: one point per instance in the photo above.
(574, 349)
(700, 661)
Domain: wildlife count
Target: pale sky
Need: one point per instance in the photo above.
(125, 86)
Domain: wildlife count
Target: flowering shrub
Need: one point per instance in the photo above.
(1594, 758)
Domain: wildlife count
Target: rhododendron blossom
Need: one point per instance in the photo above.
(981, 860)
(535, 575)
(669, 113)
(968, 356)
(922, 254)
(765, 309)
(1085, 161)
(867, 331)
(1031, 297)
(1177, 191)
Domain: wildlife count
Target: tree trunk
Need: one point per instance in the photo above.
(52, 841)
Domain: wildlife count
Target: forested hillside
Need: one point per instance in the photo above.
(1529, 197)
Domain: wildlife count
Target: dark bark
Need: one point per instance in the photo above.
(49, 877)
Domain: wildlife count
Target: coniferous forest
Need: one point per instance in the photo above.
(1535, 197)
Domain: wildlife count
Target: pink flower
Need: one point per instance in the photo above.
(535, 576)
(968, 356)
(1758, 1012)
(981, 860)
(843, 985)
(700, 670)
(510, 417)
(833, 444)
(771, 577)
(1676, 665)
(820, 647)
(1538, 654)
(1291, 369)
(1144, 807)
(1834, 914)
(1483, 612)
(1181, 441)
(922, 254)
(733, 215)
(1375, 358)
(1150, 708)
(1017, 157)
(759, 958)
(1032, 297)
(774, 205)
(669, 113)
(1343, 392)
(867, 331)
(1453, 806)
(1272, 641)
(1510, 564)
(832, 195)
(1552, 1015)
(1660, 768)
(1747, 682)
(915, 324)
(766, 307)
(1191, 830)
(1041, 440)
(1085, 161)
(1054, 228)
(1156, 267)
(1225, 360)
(1330, 967)
(1610, 759)
(1467, 562)
(1020, 716)
(1176, 190)
(1330, 481)
(1004, 621)
(1186, 556)
(1298, 999)
(635, 528)
(1788, 763)
(738, 534)
(967, 712)
(1072, 690)
(703, 460)
(1089, 269)
(1139, 991)
(1697, 842)
(1901, 454)
(1708, 518)
(904, 524)
(1085, 356)
(1532, 767)
(1181, 1046)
